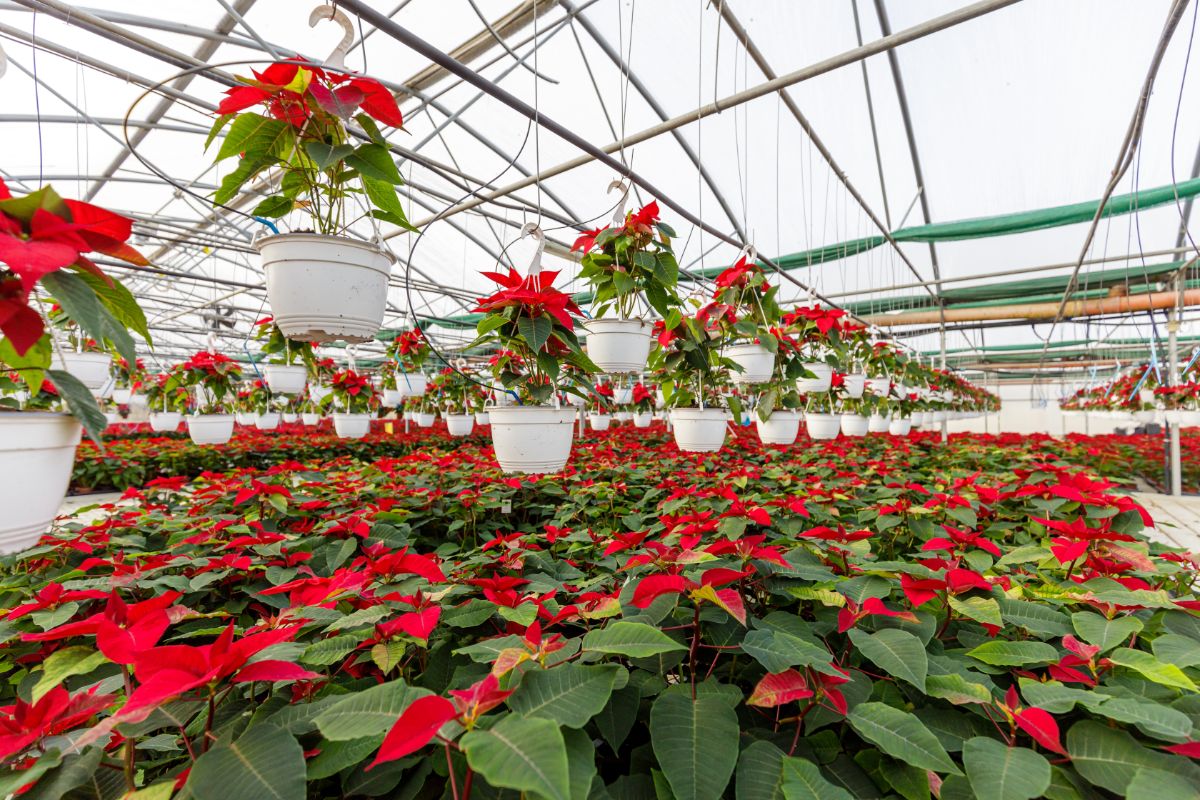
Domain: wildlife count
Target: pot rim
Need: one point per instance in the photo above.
(325, 237)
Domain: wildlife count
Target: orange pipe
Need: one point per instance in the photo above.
(1074, 308)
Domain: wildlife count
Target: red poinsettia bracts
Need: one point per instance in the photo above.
(290, 89)
(23, 724)
(535, 295)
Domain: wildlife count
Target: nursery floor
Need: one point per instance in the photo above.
(1177, 519)
(75, 502)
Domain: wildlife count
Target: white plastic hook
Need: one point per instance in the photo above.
(532, 229)
(337, 59)
(212, 341)
(351, 353)
(619, 213)
(460, 364)
(750, 253)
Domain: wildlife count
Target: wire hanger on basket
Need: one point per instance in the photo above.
(337, 59)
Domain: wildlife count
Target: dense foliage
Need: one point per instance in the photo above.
(865, 618)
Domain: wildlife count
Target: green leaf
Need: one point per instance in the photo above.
(384, 198)
(120, 303)
(695, 742)
(1150, 717)
(999, 772)
(956, 689)
(1182, 651)
(897, 652)
(374, 161)
(900, 735)
(535, 331)
(777, 650)
(265, 764)
(1151, 668)
(327, 651)
(367, 713)
(78, 302)
(80, 402)
(326, 155)
(1105, 633)
(633, 639)
(62, 664)
(252, 135)
(569, 694)
(981, 609)
(521, 753)
(274, 207)
(1014, 654)
(74, 772)
(581, 762)
(1109, 758)
(802, 780)
(1034, 617)
(616, 719)
(217, 126)
(759, 772)
(1154, 784)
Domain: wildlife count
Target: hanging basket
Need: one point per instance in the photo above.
(618, 346)
(424, 419)
(643, 419)
(878, 423)
(782, 427)
(819, 384)
(37, 452)
(822, 427)
(268, 421)
(532, 439)
(482, 418)
(854, 384)
(879, 386)
(245, 418)
(310, 419)
(121, 396)
(411, 384)
(392, 397)
(699, 430)
(285, 378)
(210, 428)
(459, 424)
(351, 426)
(289, 417)
(165, 421)
(900, 426)
(325, 288)
(854, 425)
(599, 422)
(92, 369)
(756, 361)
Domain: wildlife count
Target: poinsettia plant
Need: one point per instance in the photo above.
(642, 397)
(405, 354)
(44, 240)
(690, 359)
(352, 393)
(303, 134)
(600, 401)
(453, 390)
(256, 397)
(624, 263)
(277, 348)
(129, 376)
(164, 392)
(211, 378)
(743, 305)
(533, 325)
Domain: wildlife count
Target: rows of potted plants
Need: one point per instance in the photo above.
(859, 618)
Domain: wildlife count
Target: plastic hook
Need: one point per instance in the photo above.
(534, 230)
(212, 341)
(750, 252)
(337, 59)
(3, 62)
(619, 213)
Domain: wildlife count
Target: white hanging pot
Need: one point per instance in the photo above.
(854, 425)
(459, 424)
(137, 400)
(481, 418)
(576, 400)
(285, 378)
(392, 397)
(289, 417)
(617, 346)
(532, 439)
(939, 417)
(37, 451)
(623, 416)
(622, 395)
(782, 427)
(267, 422)
(643, 419)
(819, 384)
(879, 386)
(310, 419)
(121, 396)
(756, 361)
(1191, 418)
(900, 426)
(165, 421)
(822, 426)
(90, 368)
(325, 288)
(854, 384)
(411, 384)
(599, 422)
(245, 418)
(111, 418)
(424, 419)
(699, 430)
(351, 426)
(878, 423)
(318, 392)
(210, 428)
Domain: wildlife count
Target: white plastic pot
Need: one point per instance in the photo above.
(782, 427)
(900, 426)
(699, 430)
(210, 428)
(310, 419)
(90, 368)
(392, 397)
(285, 378)
(854, 425)
(411, 384)
(246, 418)
(822, 426)
(482, 418)
(756, 361)
(424, 419)
(1191, 418)
(854, 384)
(532, 439)
(351, 426)
(879, 386)
(618, 346)
(289, 417)
(576, 400)
(325, 288)
(643, 419)
(111, 417)
(819, 384)
(459, 424)
(121, 396)
(37, 451)
(165, 421)
(623, 416)
(267, 422)
(622, 395)
(939, 417)
(878, 423)
(599, 422)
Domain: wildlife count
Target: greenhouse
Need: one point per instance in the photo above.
(599, 400)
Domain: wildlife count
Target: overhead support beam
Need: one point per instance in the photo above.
(1072, 308)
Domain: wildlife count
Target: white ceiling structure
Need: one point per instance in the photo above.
(1023, 107)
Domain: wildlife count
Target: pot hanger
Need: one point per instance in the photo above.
(535, 230)
(337, 59)
(619, 213)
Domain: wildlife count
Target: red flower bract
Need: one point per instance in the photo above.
(534, 295)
